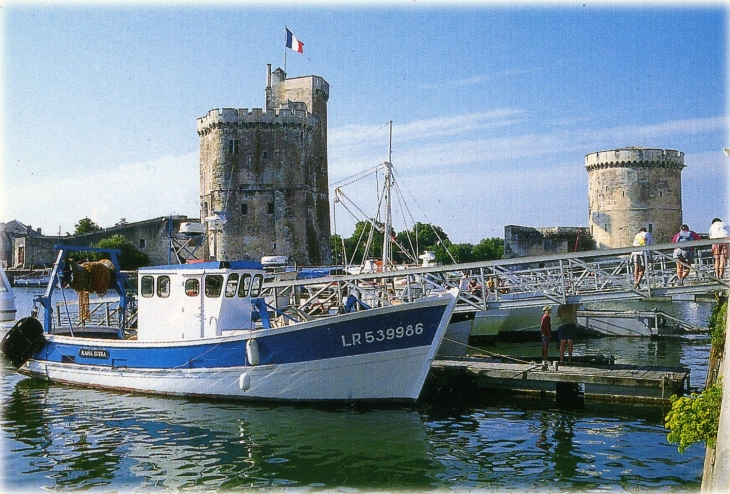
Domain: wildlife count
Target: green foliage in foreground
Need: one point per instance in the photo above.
(695, 418)
(717, 324)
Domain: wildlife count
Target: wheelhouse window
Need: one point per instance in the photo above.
(256, 284)
(213, 285)
(147, 286)
(232, 285)
(163, 286)
(244, 286)
(192, 287)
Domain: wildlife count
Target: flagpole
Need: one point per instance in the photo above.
(285, 40)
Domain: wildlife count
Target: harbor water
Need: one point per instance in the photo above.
(68, 438)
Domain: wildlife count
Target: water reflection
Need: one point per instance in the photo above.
(69, 437)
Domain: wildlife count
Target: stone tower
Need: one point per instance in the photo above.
(264, 174)
(633, 187)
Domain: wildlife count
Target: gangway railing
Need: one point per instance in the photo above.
(579, 277)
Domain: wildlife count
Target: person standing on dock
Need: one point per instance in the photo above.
(639, 259)
(568, 316)
(684, 257)
(719, 229)
(464, 282)
(546, 331)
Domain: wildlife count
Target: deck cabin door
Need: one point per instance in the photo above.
(192, 327)
(213, 296)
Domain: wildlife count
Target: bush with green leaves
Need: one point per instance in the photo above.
(718, 322)
(695, 418)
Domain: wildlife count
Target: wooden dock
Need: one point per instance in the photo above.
(608, 383)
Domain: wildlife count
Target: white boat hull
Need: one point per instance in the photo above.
(397, 374)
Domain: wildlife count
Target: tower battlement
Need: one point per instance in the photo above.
(635, 156)
(291, 114)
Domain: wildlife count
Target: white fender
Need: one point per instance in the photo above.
(252, 352)
(244, 382)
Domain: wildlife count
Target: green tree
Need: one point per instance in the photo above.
(488, 249)
(85, 225)
(129, 259)
(422, 237)
(461, 253)
(356, 244)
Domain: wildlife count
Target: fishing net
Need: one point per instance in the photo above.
(84, 310)
(93, 276)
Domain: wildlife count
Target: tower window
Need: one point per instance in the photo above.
(271, 208)
(142, 243)
(244, 208)
(651, 227)
(266, 154)
(233, 146)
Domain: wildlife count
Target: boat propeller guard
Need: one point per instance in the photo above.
(23, 340)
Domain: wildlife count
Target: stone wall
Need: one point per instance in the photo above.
(633, 187)
(521, 241)
(150, 237)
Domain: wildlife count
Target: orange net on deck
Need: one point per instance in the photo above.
(84, 310)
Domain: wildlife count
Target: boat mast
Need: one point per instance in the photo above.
(388, 212)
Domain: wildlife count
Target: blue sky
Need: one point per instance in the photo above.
(494, 107)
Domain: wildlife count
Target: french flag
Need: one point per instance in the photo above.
(293, 43)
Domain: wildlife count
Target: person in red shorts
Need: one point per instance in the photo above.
(546, 331)
(719, 229)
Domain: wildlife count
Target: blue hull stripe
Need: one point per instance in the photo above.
(334, 338)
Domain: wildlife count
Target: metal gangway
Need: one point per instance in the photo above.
(575, 278)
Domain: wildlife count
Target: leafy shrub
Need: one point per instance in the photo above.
(717, 323)
(695, 418)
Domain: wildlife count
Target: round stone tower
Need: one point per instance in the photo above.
(633, 187)
(263, 174)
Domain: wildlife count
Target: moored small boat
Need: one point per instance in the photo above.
(7, 298)
(202, 330)
(34, 279)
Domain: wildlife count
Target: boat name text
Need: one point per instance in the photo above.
(382, 334)
(93, 353)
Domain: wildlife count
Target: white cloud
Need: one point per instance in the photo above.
(473, 185)
(135, 191)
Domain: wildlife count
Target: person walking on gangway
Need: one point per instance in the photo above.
(719, 229)
(684, 256)
(640, 258)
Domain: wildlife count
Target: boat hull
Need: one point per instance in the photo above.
(378, 354)
(7, 299)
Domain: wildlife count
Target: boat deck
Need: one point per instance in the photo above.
(589, 382)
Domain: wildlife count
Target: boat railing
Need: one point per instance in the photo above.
(102, 312)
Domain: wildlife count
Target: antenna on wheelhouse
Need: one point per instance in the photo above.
(388, 211)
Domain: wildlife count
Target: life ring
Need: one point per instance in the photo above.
(23, 340)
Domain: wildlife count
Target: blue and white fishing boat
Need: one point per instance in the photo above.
(202, 330)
